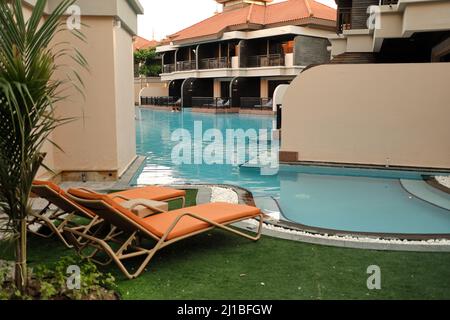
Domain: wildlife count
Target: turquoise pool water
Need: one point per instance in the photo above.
(355, 200)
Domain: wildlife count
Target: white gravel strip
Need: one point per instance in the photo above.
(441, 242)
(445, 181)
(227, 195)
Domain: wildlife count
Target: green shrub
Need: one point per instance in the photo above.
(49, 282)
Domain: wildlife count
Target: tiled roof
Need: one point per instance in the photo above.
(141, 43)
(291, 10)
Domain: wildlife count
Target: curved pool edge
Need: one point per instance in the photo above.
(289, 230)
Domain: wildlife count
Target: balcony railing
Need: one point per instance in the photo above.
(168, 68)
(186, 65)
(215, 63)
(271, 60)
(211, 102)
(161, 101)
(388, 2)
(256, 103)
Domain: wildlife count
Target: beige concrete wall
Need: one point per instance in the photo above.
(427, 16)
(370, 114)
(89, 143)
(360, 43)
(338, 45)
(102, 137)
(125, 112)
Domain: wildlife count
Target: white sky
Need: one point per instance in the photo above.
(164, 17)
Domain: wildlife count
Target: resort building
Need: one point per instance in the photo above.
(384, 99)
(93, 151)
(238, 57)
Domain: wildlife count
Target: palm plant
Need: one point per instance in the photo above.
(29, 91)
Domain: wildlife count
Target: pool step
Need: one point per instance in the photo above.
(425, 192)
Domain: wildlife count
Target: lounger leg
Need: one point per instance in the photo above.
(54, 230)
(118, 256)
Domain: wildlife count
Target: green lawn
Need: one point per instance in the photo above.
(219, 265)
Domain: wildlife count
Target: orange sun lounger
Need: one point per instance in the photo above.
(62, 216)
(67, 209)
(164, 227)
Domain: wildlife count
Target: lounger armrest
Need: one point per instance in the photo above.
(87, 190)
(120, 197)
(146, 205)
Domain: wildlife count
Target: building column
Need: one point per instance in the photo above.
(264, 88)
(217, 89)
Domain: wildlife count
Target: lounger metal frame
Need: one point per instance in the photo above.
(48, 217)
(132, 240)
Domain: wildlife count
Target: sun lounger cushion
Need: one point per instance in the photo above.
(49, 184)
(78, 193)
(218, 212)
(158, 224)
(152, 193)
(61, 200)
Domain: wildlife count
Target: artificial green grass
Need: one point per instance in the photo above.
(219, 265)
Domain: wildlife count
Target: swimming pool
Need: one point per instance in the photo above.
(348, 199)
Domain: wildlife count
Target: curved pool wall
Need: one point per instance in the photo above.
(317, 198)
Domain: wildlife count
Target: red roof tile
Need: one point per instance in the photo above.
(141, 43)
(282, 12)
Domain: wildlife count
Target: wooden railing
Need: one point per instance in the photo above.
(270, 60)
(215, 63)
(186, 65)
(169, 68)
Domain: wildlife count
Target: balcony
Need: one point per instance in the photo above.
(186, 65)
(211, 102)
(168, 68)
(215, 63)
(271, 60)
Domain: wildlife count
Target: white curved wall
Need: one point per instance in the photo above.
(379, 114)
(278, 95)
